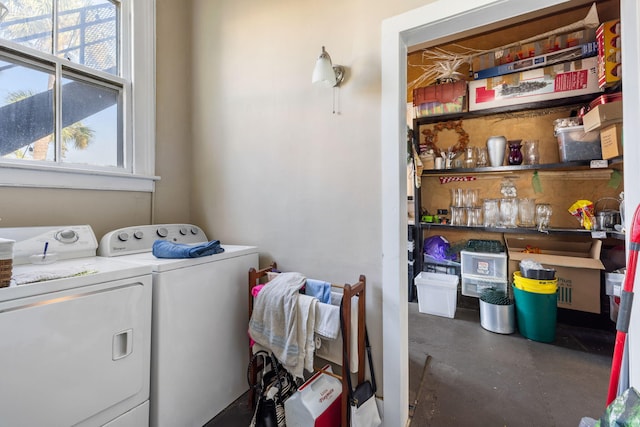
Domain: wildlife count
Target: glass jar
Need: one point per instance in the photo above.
(469, 158)
(543, 216)
(508, 212)
(482, 157)
(531, 154)
(490, 212)
(508, 188)
(526, 212)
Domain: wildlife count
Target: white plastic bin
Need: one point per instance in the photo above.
(437, 293)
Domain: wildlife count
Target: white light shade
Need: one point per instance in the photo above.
(323, 73)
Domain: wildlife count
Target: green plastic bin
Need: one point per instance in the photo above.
(536, 314)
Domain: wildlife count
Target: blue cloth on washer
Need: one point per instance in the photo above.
(318, 289)
(166, 249)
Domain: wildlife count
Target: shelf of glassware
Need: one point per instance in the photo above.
(615, 163)
(525, 230)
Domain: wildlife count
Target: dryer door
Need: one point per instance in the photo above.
(76, 357)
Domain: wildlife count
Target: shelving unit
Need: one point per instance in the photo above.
(585, 167)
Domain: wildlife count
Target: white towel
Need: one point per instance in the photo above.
(59, 273)
(327, 321)
(306, 343)
(273, 322)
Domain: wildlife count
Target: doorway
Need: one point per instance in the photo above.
(434, 24)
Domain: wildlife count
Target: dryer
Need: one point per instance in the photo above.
(199, 350)
(75, 346)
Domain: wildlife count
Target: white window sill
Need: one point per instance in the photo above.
(50, 177)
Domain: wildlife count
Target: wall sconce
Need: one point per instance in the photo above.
(3, 11)
(325, 73)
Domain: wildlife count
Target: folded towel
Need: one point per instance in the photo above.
(318, 289)
(327, 321)
(166, 249)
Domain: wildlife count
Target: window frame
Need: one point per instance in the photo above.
(138, 77)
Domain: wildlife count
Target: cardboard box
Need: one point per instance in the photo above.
(609, 53)
(611, 141)
(553, 82)
(583, 51)
(549, 44)
(576, 261)
(602, 115)
(440, 99)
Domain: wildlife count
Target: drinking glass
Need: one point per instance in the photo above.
(457, 197)
(482, 157)
(531, 154)
(470, 199)
(543, 216)
(470, 158)
(473, 216)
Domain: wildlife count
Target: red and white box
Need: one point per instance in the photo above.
(317, 402)
(563, 80)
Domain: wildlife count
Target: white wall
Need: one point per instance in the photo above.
(272, 165)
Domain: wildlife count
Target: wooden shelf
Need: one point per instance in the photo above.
(553, 103)
(565, 166)
(521, 230)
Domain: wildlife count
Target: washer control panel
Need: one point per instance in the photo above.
(51, 243)
(132, 240)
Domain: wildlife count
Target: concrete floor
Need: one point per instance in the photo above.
(463, 375)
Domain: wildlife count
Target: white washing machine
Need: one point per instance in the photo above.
(74, 345)
(199, 346)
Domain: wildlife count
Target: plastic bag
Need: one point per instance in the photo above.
(583, 210)
(437, 247)
(624, 411)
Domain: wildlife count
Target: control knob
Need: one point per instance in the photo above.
(66, 236)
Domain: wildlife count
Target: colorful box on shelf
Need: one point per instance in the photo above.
(549, 44)
(602, 115)
(576, 261)
(611, 141)
(563, 80)
(440, 99)
(583, 51)
(609, 53)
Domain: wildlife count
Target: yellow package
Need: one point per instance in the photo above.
(583, 210)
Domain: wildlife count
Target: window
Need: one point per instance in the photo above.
(67, 95)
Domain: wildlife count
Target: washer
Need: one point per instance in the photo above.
(199, 322)
(74, 350)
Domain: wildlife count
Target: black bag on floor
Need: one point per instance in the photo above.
(275, 386)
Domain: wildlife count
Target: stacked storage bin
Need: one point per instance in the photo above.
(483, 266)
